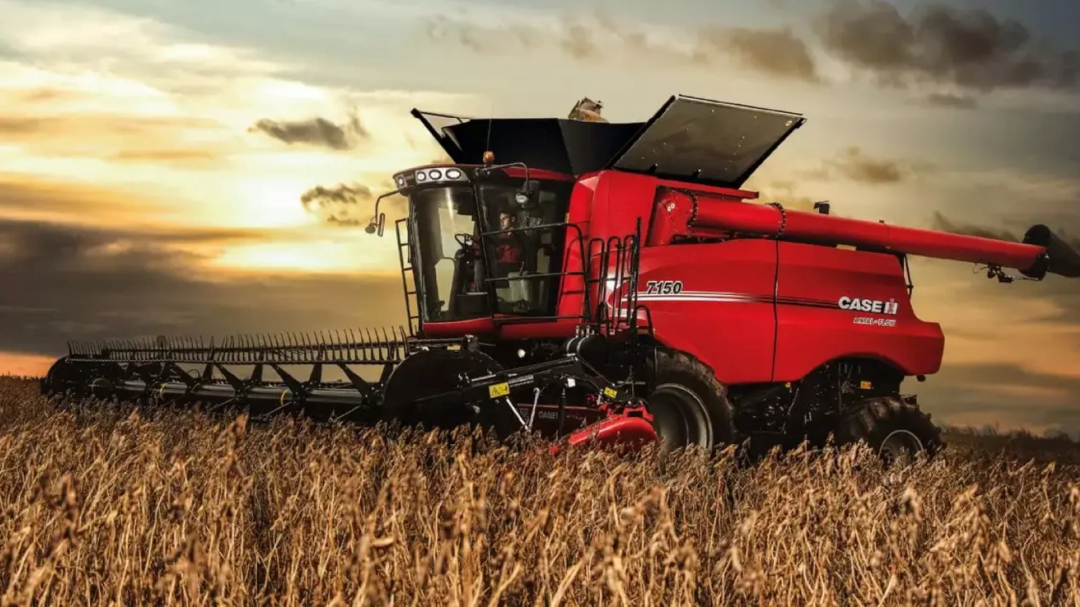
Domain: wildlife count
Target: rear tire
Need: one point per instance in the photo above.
(688, 404)
(892, 427)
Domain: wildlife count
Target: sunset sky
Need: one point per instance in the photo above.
(198, 167)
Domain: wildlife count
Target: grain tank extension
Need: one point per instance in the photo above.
(602, 282)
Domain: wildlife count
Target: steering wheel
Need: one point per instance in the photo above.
(465, 240)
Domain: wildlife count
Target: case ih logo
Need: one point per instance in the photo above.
(869, 305)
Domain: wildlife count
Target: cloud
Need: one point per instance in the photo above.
(853, 164)
(83, 203)
(990, 392)
(352, 204)
(590, 37)
(938, 44)
(188, 141)
(940, 222)
(71, 282)
(944, 224)
(81, 35)
(777, 52)
(314, 131)
(935, 46)
(786, 192)
(949, 100)
(343, 205)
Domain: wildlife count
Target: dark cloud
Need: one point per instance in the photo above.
(315, 131)
(853, 164)
(1063, 292)
(944, 224)
(935, 45)
(346, 205)
(352, 205)
(949, 100)
(943, 45)
(967, 389)
(589, 37)
(1067, 234)
(67, 282)
(778, 52)
(578, 40)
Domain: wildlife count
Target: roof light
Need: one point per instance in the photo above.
(421, 176)
(453, 173)
(435, 175)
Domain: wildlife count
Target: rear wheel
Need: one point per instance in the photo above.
(893, 427)
(689, 406)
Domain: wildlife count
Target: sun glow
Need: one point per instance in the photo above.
(324, 257)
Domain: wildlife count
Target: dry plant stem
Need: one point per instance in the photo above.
(113, 505)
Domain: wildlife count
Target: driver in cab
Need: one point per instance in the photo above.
(508, 245)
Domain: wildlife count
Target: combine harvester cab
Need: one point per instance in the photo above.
(602, 282)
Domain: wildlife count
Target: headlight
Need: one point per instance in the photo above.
(448, 174)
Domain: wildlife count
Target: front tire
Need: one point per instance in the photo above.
(893, 427)
(688, 404)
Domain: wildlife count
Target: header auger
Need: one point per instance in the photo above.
(611, 282)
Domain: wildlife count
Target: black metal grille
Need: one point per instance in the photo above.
(345, 347)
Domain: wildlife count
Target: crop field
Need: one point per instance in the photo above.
(125, 506)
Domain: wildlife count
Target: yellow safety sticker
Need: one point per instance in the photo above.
(498, 390)
(610, 392)
(865, 385)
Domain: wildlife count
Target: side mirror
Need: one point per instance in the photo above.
(377, 225)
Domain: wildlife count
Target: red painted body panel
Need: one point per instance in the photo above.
(634, 432)
(809, 334)
(725, 314)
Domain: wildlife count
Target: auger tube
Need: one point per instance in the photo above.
(1041, 252)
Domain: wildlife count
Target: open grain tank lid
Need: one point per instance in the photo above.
(688, 139)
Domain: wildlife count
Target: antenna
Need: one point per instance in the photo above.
(487, 144)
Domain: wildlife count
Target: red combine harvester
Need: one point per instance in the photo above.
(602, 282)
